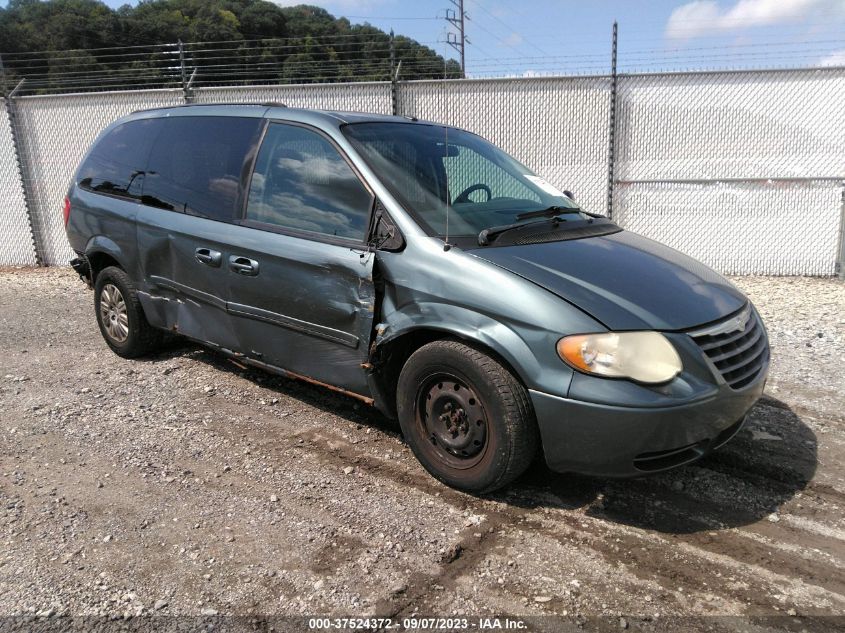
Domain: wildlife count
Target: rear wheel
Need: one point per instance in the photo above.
(120, 316)
(468, 420)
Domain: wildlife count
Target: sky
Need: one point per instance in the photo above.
(529, 37)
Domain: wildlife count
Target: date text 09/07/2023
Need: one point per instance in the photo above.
(418, 624)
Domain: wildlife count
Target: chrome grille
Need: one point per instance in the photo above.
(737, 346)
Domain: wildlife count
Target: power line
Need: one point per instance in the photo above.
(511, 46)
(475, 46)
(503, 23)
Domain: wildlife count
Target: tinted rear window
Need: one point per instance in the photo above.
(117, 161)
(197, 163)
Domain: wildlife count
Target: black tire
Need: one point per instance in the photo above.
(450, 441)
(140, 337)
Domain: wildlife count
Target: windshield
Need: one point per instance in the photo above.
(432, 168)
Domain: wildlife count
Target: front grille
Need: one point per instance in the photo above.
(736, 346)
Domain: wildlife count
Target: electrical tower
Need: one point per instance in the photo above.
(459, 41)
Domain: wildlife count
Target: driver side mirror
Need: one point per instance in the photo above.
(569, 194)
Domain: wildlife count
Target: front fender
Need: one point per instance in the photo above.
(536, 369)
(427, 287)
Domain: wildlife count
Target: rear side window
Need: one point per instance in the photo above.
(302, 182)
(196, 165)
(116, 163)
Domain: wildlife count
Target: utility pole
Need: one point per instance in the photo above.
(458, 42)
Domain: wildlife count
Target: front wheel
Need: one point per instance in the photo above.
(467, 419)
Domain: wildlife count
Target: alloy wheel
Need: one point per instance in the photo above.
(113, 313)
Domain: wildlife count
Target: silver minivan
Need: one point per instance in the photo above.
(422, 270)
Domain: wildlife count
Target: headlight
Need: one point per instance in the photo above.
(642, 356)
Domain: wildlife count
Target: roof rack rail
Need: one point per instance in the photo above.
(264, 104)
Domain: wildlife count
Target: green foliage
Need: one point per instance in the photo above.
(229, 41)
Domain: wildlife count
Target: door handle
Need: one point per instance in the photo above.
(243, 265)
(208, 257)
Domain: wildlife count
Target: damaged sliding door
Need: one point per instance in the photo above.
(193, 189)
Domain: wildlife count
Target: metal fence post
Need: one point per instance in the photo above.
(611, 136)
(395, 87)
(20, 159)
(187, 83)
(840, 251)
(393, 74)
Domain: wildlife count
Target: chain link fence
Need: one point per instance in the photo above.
(54, 132)
(555, 126)
(17, 246)
(358, 97)
(742, 170)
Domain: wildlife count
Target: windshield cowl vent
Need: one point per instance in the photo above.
(558, 235)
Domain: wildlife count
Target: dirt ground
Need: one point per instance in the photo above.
(184, 485)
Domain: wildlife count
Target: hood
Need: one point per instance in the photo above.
(624, 280)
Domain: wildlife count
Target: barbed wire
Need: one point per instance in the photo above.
(339, 58)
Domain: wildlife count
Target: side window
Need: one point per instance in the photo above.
(196, 164)
(465, 167)
(302, 182)
(116, 163)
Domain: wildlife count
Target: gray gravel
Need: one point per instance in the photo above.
(183, 484)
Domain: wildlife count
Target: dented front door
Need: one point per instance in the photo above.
(300, 277)
(306, 307)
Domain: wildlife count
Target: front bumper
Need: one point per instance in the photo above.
(619, 441)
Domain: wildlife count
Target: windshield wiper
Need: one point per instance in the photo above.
(547, 213)
(488, 235)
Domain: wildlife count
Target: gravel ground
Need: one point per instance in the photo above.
(184, 485)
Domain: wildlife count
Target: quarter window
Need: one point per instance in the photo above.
(116, 163)
(196, 164)
(301, 182)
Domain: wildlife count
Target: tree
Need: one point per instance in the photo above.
(59, 44)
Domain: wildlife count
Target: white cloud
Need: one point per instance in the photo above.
(514, 39)
(836, 58)
(707, 17)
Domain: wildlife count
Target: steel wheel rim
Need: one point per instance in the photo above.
(113, 314)
(453, 421)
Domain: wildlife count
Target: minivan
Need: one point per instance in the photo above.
(420, 269)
